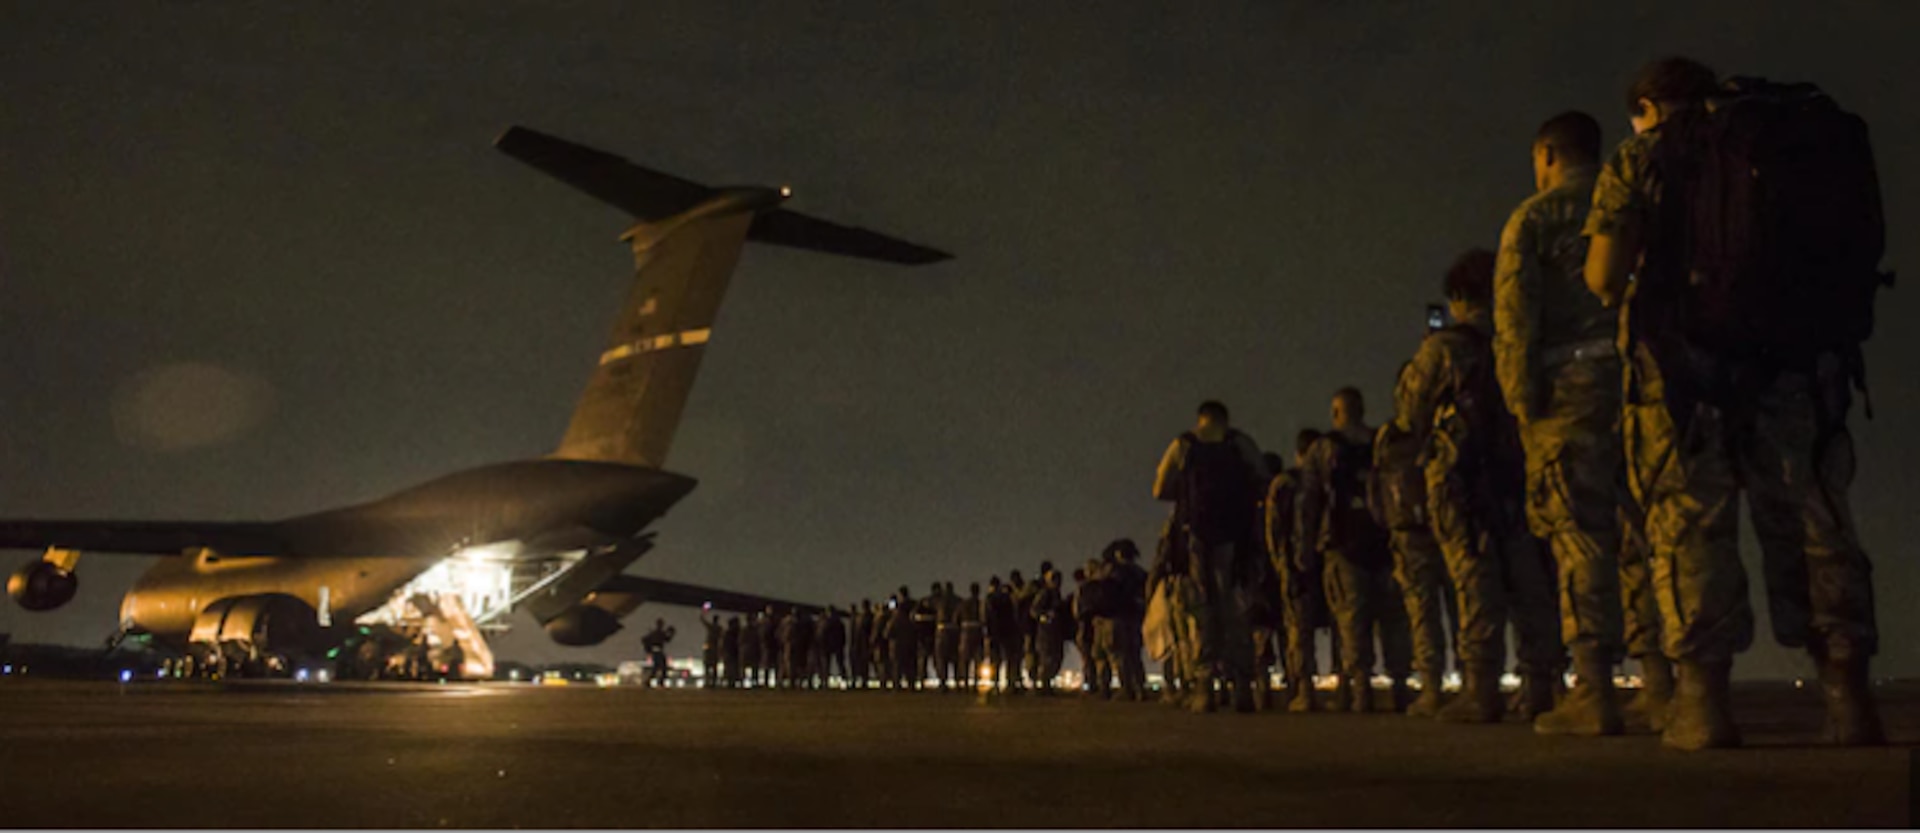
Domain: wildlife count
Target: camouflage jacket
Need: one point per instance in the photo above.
(1447, 397)
(1279, 517)
(1543, 314)
(1627, 190)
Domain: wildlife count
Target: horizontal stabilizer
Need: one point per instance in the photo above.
(650, 195)
(781, 227)
(643, 193)
(658, 591)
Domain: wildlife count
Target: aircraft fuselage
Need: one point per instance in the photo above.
(346, 562)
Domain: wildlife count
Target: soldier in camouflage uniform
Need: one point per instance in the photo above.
(1449, 400)
(1560, 374)
(970, 618)
(1214, 475)
(1335, 531)
(1780, 436)
(1301, 585)
(1131, 588)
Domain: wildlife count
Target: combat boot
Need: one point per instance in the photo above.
(1342, 695)
(1701, 714)
(1428, 703)
(1361, 693)
(1648, 709)
(1201, 698)
(1591, 707)
(1243, 697)
(1304, 699)
(1852, 717)
(1402, 695)
(1536, 695)
(1479, 698)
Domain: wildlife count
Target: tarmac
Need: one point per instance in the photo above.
(151, 754)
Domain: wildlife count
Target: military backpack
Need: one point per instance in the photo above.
(1770, 224)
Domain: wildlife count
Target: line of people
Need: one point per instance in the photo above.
(1010, 636)
(1655, 337)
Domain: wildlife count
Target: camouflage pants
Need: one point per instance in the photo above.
(973, 649)
(1216, 633)
(1785, 443)
(946, 653)
(1574, 461)
(1641, 608)
(907, 670)
(1127, 662)
(1421, 572)
(1367, 604)
(1306, 613)
(1051, 649)
(1004, 653)
(1500, 577)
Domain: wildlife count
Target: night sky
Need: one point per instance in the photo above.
(258, 262)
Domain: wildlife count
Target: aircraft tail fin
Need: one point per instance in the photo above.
(685, 246)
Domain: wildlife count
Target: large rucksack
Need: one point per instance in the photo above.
(1348, 524)
(1770, 224)
(1099, 598)
(1397, 494)
(1217, 499)
(1475, 422)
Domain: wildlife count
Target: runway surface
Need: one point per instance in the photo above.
(174, 755)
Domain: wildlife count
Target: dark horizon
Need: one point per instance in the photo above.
(260, 262)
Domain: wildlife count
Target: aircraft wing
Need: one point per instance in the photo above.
(142, 537)
(660, 591)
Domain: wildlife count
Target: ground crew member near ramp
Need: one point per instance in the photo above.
(1215, 475)
(750, 643)
(730, 651)
(710, 650)
(1742, 348)
(655, 644)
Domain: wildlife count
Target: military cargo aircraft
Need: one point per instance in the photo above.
(435, 566)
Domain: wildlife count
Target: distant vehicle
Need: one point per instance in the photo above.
(406, 585)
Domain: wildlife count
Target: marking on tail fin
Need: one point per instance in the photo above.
(690, 338)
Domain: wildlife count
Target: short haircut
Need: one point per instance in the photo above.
(1305, 440)
(1213, 408)
(1470, 278)
(1353, 397)
(1671, 79)
(1573, 134)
